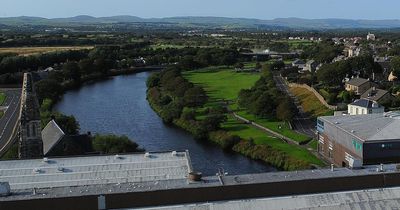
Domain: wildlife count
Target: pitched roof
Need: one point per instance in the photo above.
(357, 81)
(298, 61)
(374, 94)
(366, 103)
(51, 135)
(369, 127)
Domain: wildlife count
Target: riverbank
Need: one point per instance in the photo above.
(234, 135)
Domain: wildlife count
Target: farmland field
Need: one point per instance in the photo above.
(37, 50)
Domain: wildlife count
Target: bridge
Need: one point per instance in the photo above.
(21, 121)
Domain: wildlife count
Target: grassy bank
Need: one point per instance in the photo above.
(310, 102)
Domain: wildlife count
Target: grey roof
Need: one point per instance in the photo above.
(310, 62)
(387, 198)
(374, 94)
(370, 127)
(366, 103)
(94, 170)
(357, 81)
(51, 135)
(298, 61)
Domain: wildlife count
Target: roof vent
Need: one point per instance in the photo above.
(174, 153)
(60, 169)
(336, 123)
(117, 157)
(147, 155)
(353, 131)
(37, 170)
(4, 189)
(45, 160)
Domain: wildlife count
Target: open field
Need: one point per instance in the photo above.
(223, 83)
(37, 50)
(226, 84)
(310, 102)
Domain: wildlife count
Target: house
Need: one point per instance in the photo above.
(353, 51)
(392, 77)
(310, 66)
(57, 143)
(358, 85)
(357, 140)
(371, 37)
(364, 106)
(298, 63)
(376, 94)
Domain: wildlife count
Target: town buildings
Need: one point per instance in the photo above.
(358, 85)
(364, 106)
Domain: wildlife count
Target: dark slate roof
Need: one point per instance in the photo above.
(298, 61)
(374, 94)
(357, 81)
(51, 135)
(366, 103)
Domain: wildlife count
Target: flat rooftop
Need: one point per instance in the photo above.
(387, 198)
(369, 127)
(184, 183)
(94, 170)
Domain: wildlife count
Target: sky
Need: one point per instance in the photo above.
(260, 9)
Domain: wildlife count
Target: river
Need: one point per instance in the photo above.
(118, 105)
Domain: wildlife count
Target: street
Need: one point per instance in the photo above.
(9, 121)
(301, 122)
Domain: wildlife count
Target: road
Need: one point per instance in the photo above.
(301, 122)
(9, 121)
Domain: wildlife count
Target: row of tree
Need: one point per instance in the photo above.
(265, 100)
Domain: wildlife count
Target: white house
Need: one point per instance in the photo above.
(364, 106)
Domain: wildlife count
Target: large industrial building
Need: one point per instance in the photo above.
(356, 140)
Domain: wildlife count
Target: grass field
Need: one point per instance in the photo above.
(223, 83)
(310, 102)
(2, 98)
(226, 84)
(37, 50)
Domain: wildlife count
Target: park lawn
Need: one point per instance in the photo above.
(310, 102)
(226, 84)
(234, 127)
(223, 83)
(277, 126)
(2, 98)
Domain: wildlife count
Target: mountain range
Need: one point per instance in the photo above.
(212, 21)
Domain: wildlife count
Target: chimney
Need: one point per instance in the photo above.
(89, 133)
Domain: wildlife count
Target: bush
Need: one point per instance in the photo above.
(112, 144)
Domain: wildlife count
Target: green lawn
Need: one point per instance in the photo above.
(277, 126)
(246, 131)
(2, 98)
(224, 83)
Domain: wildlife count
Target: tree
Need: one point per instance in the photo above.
(72, 71)
(194, 97)
(48, 88)
(112, 144)
(286, 110)
(395, 65)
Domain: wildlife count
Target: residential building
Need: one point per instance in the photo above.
(364, 106)
(310, 66)
(358, 85)
(57, 143)
(298, 63)
(356, 140)
(371, 37)
(376, 94)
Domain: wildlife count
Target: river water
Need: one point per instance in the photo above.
(118, 106)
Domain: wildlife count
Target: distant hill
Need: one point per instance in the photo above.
(212, 21)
